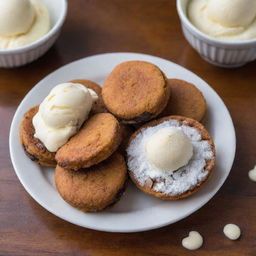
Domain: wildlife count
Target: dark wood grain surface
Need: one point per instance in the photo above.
(146, 26)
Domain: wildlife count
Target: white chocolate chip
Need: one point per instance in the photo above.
(232, 231)
(193, 241)
(252, 174)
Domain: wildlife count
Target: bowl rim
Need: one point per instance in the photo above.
(44, 38)
(209, 39)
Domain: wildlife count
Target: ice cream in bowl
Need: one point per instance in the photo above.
(28, 28)
(22, 22)
(223, 32)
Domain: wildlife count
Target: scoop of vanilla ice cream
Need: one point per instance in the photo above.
(232, 13)
(231, 20)
(169, 149)
(16, 17)
(22, 34)
(62, 113)
(67, 104)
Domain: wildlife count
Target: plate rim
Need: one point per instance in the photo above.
(12, 154)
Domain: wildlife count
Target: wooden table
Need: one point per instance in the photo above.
(146, 26)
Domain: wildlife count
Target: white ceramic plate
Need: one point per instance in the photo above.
(136, 211)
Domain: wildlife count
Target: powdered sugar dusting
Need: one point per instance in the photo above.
(180, 181)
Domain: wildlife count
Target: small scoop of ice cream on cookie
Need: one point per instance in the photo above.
(62, 113)
(170, 158)
(168, 149)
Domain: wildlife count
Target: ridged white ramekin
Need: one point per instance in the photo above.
(217, 52)
(18, 57)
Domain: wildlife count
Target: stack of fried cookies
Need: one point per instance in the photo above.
(91, 172)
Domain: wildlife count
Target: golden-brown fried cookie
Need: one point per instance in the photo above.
(33, 147)
(98, 106)
(99, 137)
(136, 91)
(96, 188)
(186, 180)
(186, 100)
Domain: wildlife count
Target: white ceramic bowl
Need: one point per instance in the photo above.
(23, 55)
(218, 52)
